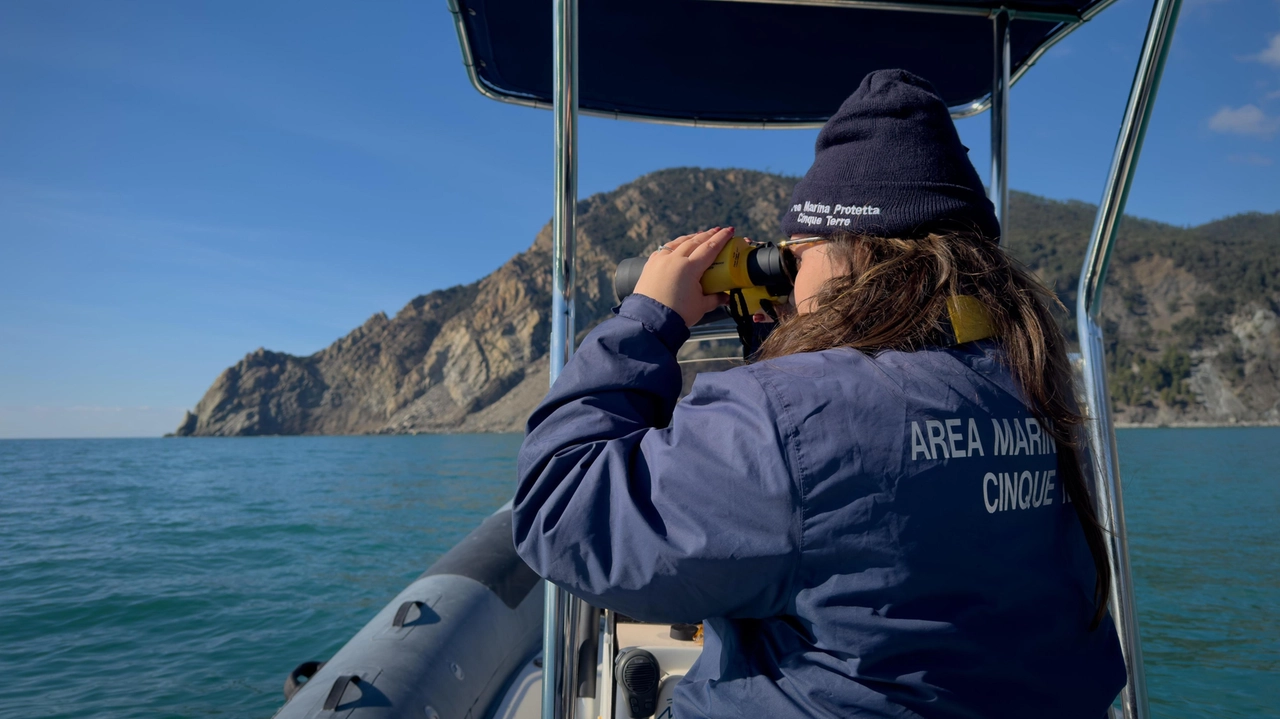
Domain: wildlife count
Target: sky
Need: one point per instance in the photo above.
(181, 183)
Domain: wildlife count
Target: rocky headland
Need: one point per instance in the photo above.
(1190, 314)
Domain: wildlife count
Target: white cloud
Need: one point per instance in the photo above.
(1246, 120)
(1251, 158)
(1270, 56)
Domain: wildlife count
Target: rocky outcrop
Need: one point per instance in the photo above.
(1190, 316)
(1237, 380)
(473, 358)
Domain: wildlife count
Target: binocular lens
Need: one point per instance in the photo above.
(627, 275)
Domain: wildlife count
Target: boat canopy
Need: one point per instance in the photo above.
(755, 62)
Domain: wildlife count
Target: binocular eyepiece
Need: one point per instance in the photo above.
(758, 272)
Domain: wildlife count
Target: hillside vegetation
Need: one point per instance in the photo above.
(1189, 315)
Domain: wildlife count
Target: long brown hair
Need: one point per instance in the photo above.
(894, 298)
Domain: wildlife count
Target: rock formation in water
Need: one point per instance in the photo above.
(1190, 316)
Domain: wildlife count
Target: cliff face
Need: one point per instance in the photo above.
(1188, 313)
(473, 358)
(1160, 376)
(1190, 316)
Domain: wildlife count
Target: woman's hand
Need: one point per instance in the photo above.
(672, 274)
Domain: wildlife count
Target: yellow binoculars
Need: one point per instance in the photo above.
(759, 273)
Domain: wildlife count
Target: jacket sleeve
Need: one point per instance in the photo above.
(662, 511)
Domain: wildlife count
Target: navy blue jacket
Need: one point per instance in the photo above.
(863, 536)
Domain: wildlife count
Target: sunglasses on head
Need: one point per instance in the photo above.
(796, 241)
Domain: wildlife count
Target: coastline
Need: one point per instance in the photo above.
(462, 431)
(1194, 425)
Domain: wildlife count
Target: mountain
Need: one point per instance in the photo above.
(1190, 315)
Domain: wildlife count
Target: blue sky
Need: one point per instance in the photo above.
(181, 183)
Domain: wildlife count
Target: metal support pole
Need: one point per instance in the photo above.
(555, 600)
(1108, 496)
(560, 608)
(608, 654)
(565, 19)
(567, 700)
(1133, 130)
(1001, 62)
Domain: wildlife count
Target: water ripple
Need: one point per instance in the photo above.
(179, 578)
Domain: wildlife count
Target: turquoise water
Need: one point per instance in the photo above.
(1203, 510)
(185, 578)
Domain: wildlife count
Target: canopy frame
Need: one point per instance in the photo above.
(1068, 23)
(1109, 499)
(561, 610)
(999, 99)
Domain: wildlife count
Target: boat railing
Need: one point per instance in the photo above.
(1108, 496)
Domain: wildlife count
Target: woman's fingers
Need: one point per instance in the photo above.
(711, 302)
(688, 248)
(684, 248)
(709, 247)
(683, 245)
(686, 239)
(672, 276)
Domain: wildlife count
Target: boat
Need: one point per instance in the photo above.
(478, 635)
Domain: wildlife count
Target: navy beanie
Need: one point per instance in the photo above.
(889, 163)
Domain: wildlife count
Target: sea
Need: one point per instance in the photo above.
(186, 577)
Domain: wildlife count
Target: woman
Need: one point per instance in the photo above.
(877, 517)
